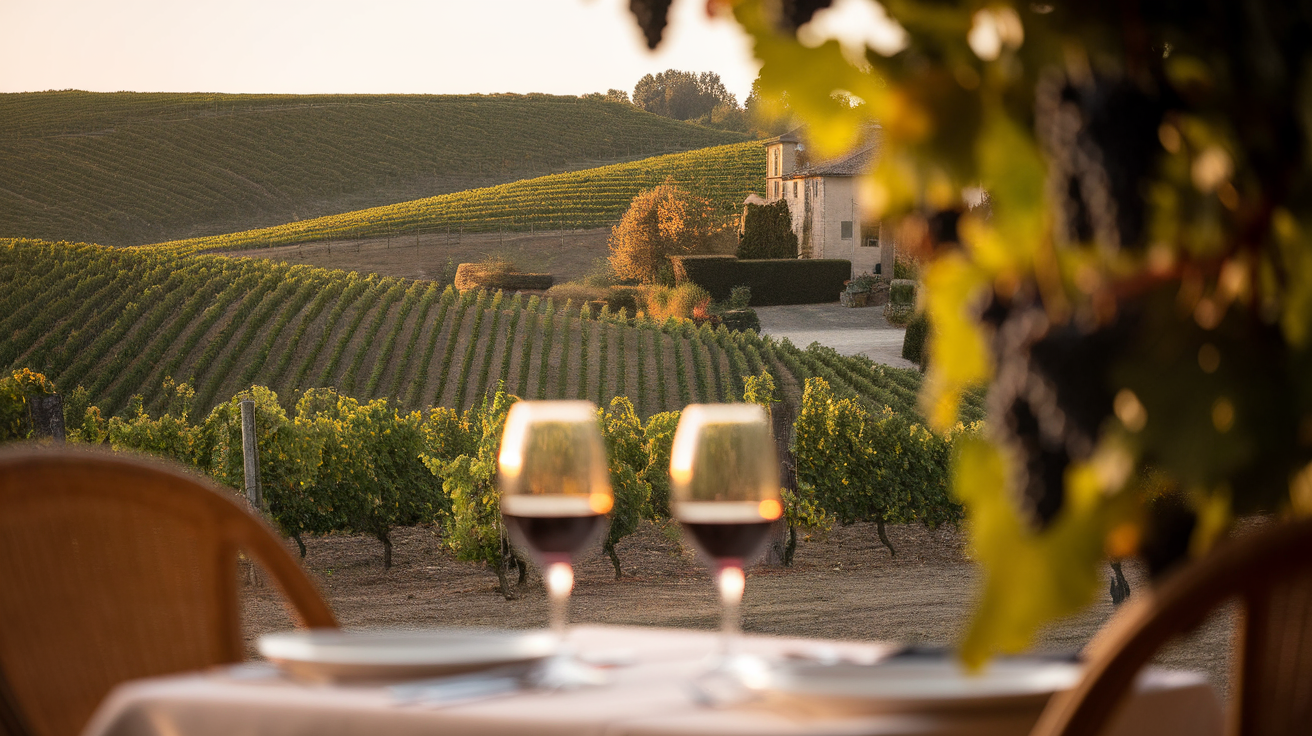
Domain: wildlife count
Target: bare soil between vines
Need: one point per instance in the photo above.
(842, 585)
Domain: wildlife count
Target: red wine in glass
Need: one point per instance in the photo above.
(724, 490)
(555, 488)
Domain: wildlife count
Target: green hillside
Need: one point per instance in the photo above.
(119, 321)
(129, 168)
(579, 199)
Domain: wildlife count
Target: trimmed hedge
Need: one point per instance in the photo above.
(475, 276)
(800, 281)
(902, 291)
(916, 339)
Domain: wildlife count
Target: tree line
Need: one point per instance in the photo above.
(702, 98)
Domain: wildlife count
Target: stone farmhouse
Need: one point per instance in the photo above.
(822, 199)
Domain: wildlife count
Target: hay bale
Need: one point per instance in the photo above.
(480, 276)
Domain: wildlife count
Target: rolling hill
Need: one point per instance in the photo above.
(131, 168)
(119, 321)
(595, 197)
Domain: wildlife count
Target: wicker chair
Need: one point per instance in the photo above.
(1269, 572)
(114, 568)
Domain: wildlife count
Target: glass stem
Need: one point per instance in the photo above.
(730, 580)
(560, 581)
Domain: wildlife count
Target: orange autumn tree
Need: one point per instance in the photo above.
(661, 222)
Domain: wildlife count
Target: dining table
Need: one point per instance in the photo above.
(654, 684)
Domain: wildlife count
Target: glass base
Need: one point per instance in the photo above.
(730, 679)
(565, 672)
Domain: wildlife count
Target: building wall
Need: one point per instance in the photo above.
(819, 206)
(781, 160)
(838, 205)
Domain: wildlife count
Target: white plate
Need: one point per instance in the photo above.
(401, 654)
(918, 685)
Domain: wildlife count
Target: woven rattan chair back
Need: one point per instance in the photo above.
(114, 568)
(1269, 572)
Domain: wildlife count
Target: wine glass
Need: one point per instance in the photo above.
(555, 489)
(724, 489)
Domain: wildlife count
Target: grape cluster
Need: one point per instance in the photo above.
(1050, 395)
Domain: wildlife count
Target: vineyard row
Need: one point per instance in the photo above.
(119, 322)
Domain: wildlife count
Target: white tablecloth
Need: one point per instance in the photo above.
(650, 697)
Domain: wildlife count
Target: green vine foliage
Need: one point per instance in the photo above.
(879, 468)
(658, 438)
(15, 422)
(760, 390)
(370, 464)
(474, 530)
(802, 510)
(289, 458)
(626, 456)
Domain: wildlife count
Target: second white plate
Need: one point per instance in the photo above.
(401, 654)
(920, 685)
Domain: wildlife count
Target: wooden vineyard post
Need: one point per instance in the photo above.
(782, 417)
(46, 416)
(250, 456)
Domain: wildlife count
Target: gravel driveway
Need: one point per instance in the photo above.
(850, 331)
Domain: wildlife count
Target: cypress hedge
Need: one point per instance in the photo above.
(798, 281)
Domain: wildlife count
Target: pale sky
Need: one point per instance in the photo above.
(355, 46)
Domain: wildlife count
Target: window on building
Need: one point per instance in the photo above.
(871, 242)
(844, 228)
(794, 189)
(776, 190)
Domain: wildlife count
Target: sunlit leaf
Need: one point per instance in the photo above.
(960, 356)
(1030, 578)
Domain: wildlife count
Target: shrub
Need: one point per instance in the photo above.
(740, 297)
(677, 302)
(768, 232)
(741, 319)
(289, 459)
(660, 223)
(865, 283)
(760, 390)
(902, 291)
(800, 281)
(916, 340)
(624, 297)
(906, 268)
(576, 292)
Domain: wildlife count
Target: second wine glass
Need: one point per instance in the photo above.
(724, 490)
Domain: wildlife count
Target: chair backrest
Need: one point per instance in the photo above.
(114, 567)
(1270, 573)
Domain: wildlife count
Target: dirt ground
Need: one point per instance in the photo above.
(565, 254)
(844, 585)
